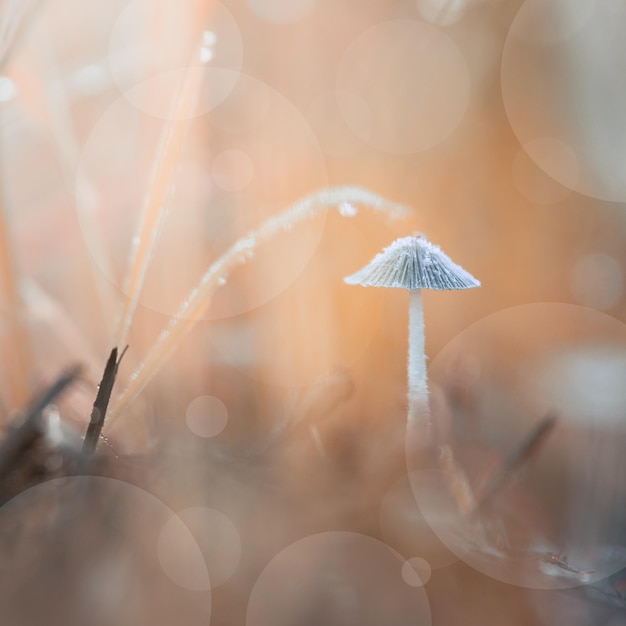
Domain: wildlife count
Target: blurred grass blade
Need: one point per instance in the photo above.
(457, 481)
(167, 159)
(16, 349)
(14, 16)
(48, 90)
(518, 459)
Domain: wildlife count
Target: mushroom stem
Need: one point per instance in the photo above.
(419, 410)
(413, 263)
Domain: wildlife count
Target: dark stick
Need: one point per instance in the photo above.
(101, 404)
(525, 451)
(25, 435)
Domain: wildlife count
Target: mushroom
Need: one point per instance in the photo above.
(413, 263)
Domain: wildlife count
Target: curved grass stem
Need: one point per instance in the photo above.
(197, 302)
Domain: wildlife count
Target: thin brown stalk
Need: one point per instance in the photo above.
(99, 411)
(196, 304)
(518, 459)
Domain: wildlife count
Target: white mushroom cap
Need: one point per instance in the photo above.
(413, 263)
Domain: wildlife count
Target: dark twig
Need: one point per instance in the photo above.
(518, 459)
(24, 436)
(98, 413)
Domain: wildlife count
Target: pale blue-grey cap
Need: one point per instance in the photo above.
(413, 263)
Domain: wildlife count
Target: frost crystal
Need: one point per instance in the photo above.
(413, 263)
(347, 210)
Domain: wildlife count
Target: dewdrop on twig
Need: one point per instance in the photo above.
(208, 43)
(347, 210)
(413, 263)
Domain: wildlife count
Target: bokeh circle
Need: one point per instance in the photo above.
(561, 85)
(256, 126)
(416, 571)
(406, 529)
(281, 11)
(151, 56)
(536, 532)
(403, 86)
(336, 578)
(206, 416)
(217, 548)
(92, 545)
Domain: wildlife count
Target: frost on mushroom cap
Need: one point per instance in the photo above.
(413, 263)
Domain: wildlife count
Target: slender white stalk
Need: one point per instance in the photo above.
(419, 410)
